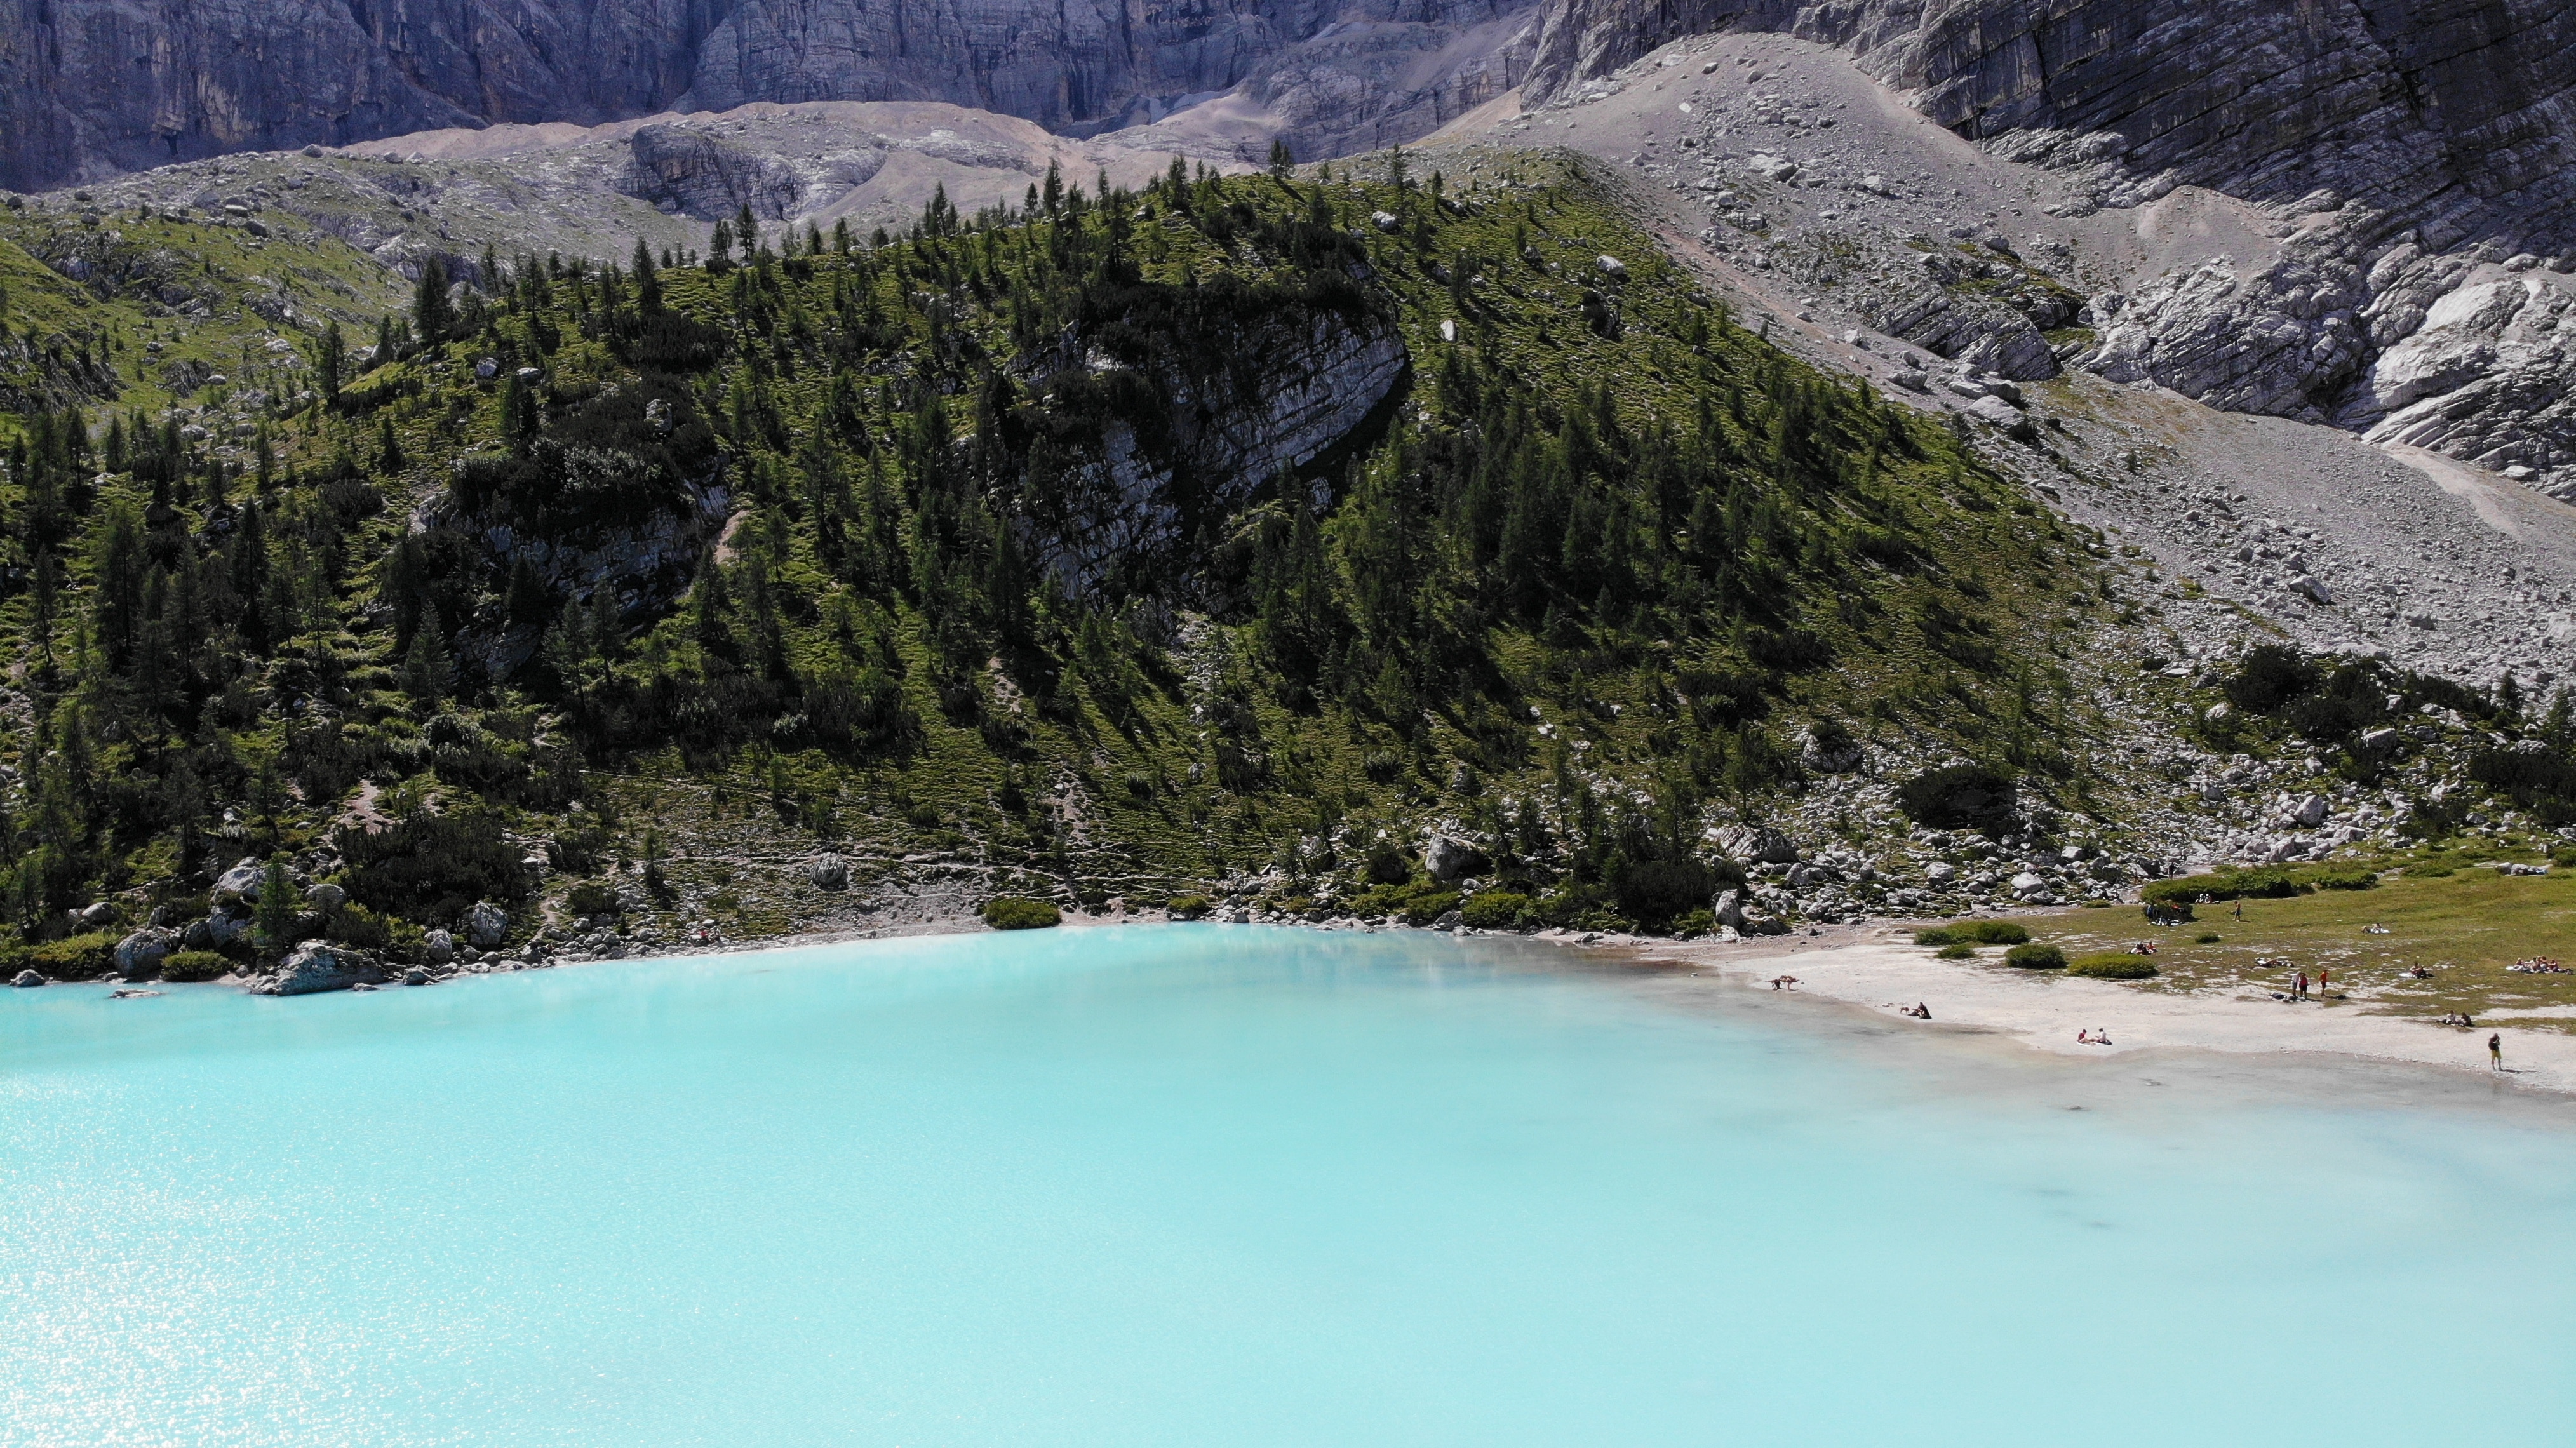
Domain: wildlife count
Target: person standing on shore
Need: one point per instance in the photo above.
(2325, 977)
(2299, 987)
(2495, 1050)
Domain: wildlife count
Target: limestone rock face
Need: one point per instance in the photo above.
(1757, 845)
(2413, 157)
(89, 87)
(1209, 421)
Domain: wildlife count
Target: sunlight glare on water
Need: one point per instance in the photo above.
(1197, 1185)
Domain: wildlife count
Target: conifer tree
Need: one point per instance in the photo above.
(432, 315)
(273, 919)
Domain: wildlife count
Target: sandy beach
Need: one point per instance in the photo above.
(1879, 969)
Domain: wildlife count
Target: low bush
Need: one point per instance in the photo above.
(1961, 796)
(360, 927)
(1423, 909)
(1956, 950)
(1188, 907)
(77, 957)
(2206, 937)
(2112, 965)
(2267, 883)
(1496, 910)
(1010, 912)
(1973, 932)
(2338, 877)
(1697, 923)
(2036, 957)
(194, 965)
(592, 898)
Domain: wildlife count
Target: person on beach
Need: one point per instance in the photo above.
(2299, 987)
(1922, 1012)
(2325, 977)
(2495, 1050)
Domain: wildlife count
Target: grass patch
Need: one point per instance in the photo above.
(1974, 932)
(2465, 928)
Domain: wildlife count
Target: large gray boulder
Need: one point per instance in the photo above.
(828, 872)
(486, 925)
(325, 898)
(316, 966)
(439, 946)
(27, 978)
(241, 880)
(1450, 860)
(139, 955)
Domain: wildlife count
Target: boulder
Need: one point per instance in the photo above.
(2312, 811)
(1612, 267)
(2003, 415)
(439, 946)
(486, 925)
(139, 956)
(316, 966)
(26, 978)
(223, 928)
(1941, 872)
(828, 872)
(326, 898)
(1756, 845)
(97, 916)
(1450, 860)
(242, 879)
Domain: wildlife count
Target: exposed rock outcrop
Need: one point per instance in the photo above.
(2410, 153)
(314, 967)
(89, 87)
(1192, 431)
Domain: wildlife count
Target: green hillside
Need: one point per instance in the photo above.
(825, 545)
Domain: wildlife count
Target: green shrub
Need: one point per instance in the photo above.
(1695, 924)
(1496, 910)
(1973, 932)
(1386, 865)
(2036, 957)
(2206, 937)
(592, 898)
(2339, 877)
(1956, 950)
(77, 957)
(1960, 796)
(1009, 912)
(1423, 909)
(2267, 883)
(356, 925)
(2112, 965)
(1188, 907)
(194, 965)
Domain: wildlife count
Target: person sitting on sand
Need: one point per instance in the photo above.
(2101, 1037)
(1922, 1012)
(2083, 1037)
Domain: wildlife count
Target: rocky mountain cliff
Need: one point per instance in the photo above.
(89, 87)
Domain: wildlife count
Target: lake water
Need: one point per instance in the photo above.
(1214, 1185)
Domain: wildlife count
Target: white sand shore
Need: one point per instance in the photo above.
(1881, 969)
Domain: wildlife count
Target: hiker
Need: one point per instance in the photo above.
(2325, 977)
(2495, 1050)
(2240, 909)
(2299, 987)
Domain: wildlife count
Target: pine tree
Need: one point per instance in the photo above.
(720, 248)
(274, 919)
(432, 315)
(648, 285)
(1282, 161)
(428, 673)
(334, 350)
(389, 453)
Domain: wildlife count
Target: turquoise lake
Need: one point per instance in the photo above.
(1217, 1185)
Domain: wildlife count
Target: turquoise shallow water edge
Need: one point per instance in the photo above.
(1201, 1185)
